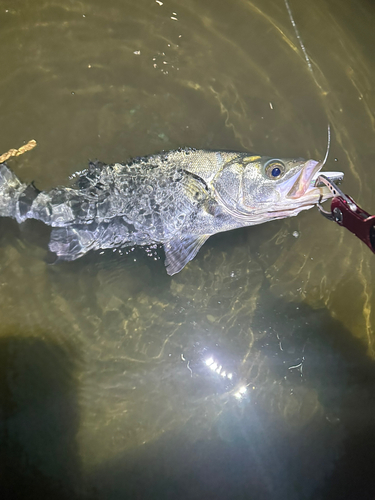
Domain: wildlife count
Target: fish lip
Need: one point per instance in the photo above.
(304, 178)
(303, 189)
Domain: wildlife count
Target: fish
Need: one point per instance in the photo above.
(177, 199)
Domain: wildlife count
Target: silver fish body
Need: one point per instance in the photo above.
(177, 199)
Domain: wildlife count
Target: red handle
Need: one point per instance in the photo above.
(356, 221)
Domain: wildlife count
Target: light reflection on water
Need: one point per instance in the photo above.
(107, 359)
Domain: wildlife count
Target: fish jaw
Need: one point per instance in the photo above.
(305, 190)
(303, 179)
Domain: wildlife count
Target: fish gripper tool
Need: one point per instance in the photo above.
(346, 212)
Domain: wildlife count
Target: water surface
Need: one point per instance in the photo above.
(248, 375)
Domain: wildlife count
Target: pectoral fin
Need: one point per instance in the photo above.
(180, 251)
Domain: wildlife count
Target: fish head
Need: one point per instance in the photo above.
(260, 188)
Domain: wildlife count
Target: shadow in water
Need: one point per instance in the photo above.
(39, 417)
(255, 452)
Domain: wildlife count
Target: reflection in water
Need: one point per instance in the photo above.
(282, 430)
(251, 368)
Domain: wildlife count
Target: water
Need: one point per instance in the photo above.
(248, 375)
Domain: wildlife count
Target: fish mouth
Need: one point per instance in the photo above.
(304, 185)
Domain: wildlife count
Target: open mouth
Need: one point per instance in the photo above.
(304, 182)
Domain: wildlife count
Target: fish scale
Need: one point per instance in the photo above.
(177, 199)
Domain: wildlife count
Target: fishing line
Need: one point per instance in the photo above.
(328, 145)
(309, 65)
(307, 59)
(299, 37)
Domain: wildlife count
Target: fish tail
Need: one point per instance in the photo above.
(15, 197)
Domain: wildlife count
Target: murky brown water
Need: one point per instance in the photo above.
(248, 375)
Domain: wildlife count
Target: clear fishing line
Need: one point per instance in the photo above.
(299, 37)
(309, 65)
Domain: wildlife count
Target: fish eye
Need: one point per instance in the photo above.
(274, 169)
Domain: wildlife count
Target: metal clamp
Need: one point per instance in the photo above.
(348, 214)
